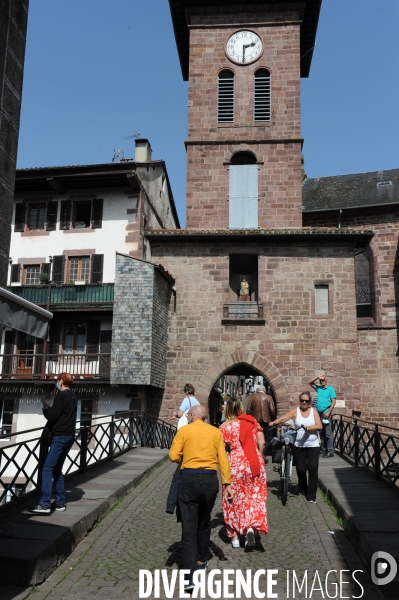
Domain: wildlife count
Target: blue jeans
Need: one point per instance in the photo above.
(326, 435)
(52, 469)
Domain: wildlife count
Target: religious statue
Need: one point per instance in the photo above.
(244, 287)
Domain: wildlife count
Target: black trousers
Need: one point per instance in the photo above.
(197, 495)
(307, 462)
(268, 432)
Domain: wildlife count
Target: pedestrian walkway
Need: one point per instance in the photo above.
(138, 534)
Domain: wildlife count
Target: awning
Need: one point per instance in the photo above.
(22, 315)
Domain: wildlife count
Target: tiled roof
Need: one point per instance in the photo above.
(377, 188)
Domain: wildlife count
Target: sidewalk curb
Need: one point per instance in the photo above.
(28, 562)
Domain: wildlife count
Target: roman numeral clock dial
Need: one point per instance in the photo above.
(244, 47)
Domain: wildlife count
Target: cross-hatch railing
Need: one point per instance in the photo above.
(105, 438)
(373, 445)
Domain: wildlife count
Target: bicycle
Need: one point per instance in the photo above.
(287, 439)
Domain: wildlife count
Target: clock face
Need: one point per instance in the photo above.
(244, 47)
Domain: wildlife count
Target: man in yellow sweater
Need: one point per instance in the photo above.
(200, 447)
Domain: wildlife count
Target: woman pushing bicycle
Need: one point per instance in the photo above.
(307, 447)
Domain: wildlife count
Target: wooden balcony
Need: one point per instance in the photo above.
(68, 296)
(30, 366)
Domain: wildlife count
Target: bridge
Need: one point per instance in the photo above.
(115, 524)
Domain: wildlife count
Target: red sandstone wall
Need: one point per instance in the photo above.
(293, 343)
(277, 144)
(378, 344)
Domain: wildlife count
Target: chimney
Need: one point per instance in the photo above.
(143, 151)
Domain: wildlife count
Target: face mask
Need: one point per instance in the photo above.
(57, 386)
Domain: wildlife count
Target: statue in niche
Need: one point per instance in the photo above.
(244, 289)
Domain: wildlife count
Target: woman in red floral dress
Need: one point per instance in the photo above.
(246, 514)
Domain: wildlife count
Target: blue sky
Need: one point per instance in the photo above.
(99, 70)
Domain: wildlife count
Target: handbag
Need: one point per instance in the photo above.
(183, 419)
(45, 438)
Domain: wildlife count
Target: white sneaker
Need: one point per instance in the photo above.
(235, 543)
(250, 539)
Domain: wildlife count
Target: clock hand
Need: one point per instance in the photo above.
(243, 49)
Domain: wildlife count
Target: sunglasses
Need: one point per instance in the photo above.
(305, 400)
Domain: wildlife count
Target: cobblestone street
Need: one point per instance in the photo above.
(138, 534)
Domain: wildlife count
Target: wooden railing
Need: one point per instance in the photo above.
(29, 365)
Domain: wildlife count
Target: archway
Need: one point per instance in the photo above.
(238, 380)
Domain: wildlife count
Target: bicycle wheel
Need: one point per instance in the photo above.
(285, 475)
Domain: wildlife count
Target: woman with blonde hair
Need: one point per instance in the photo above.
(246, 514)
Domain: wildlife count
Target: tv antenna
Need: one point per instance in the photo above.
(136, 135)
(118, 155)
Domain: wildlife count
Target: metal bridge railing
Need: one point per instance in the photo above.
(373, 445)
(105, 438)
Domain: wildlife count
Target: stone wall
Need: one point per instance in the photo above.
(141, 303)
(379, 367)
(13, 22)
(292, 345)
(379, 343)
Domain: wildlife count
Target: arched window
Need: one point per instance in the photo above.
(243, 191)
(262, 110)
(226, 96)
(363, 280)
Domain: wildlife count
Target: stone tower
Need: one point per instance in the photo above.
(244, 61)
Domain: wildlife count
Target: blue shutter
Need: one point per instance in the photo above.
(243, 196)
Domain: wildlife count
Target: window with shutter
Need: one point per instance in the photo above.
(65, 215)
(243, 192)
(31, 274)
(58, 269)
(97, 268)
(97, 214)
(52, 209)
(262, 103)
(226, 96)
(20, 212)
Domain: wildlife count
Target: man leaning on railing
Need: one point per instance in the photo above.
(61, 420)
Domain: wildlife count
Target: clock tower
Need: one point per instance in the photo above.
(244, 61)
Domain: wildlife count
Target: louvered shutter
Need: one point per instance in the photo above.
(243, 196)
(54, 339)
(65, 214)
(105, 349)
(20, 211)
(51, 222)
(97, 214)
(58, 269)
(9, 342)
(15, 273)
(46, 268)
(97, 268)
(93, 338)
(38, 357)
